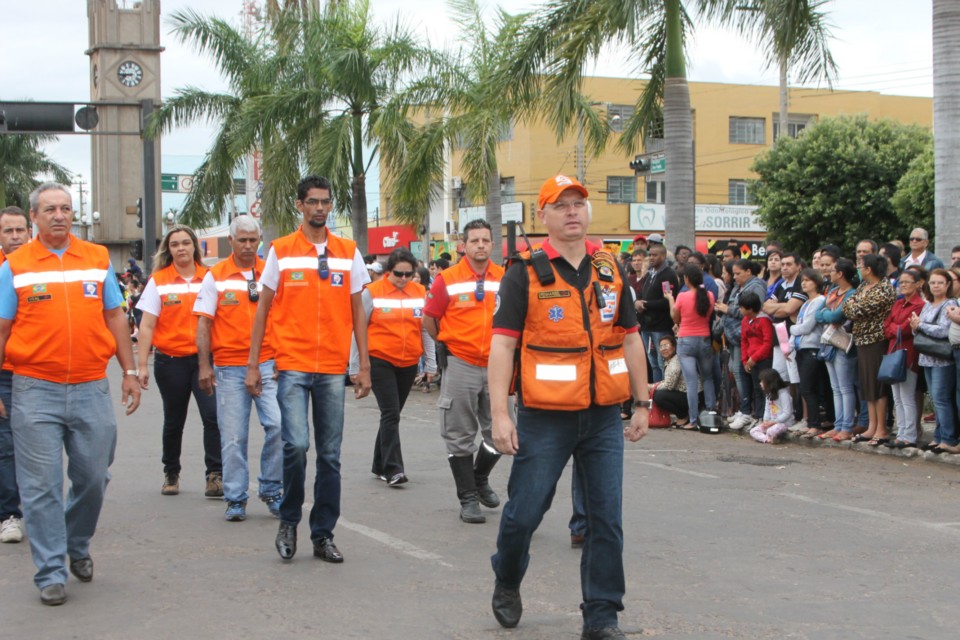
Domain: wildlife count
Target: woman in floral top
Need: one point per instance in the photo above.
(868, 307)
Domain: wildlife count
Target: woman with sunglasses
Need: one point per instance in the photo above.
(168, 325)
(396, 339)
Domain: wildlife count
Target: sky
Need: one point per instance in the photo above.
(879, 45)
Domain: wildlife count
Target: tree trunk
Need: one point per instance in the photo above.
(3, 192)
(784, 100)
(495, 216)
(358, 211)
(678, 136)
(946, 124)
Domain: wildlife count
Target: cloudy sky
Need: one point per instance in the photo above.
(879, 45)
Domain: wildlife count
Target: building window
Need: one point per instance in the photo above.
(747, 130)
(621, 189)
(508, 190)
(617, 116)
(656, 191)
(739, 193)
(795, 124)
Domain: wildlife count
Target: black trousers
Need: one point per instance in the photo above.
(811, 373)
(390, 385)
(177, 378)
(674, 402)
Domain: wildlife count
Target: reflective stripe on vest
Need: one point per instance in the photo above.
(50, 277)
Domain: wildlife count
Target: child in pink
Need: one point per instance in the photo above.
(778, 412)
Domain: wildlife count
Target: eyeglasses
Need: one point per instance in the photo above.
(323, 269)
(402, 274)
(916, 239)
(479, 291)
(567, 206)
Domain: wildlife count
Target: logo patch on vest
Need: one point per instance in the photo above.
(550, 295)
(609, 311)
(604, 263)
(40, 288)
(555, 313)
(418, 313)
(336, 279)
(296, 275)
(172, 298)
(229, 298)
(90, 290)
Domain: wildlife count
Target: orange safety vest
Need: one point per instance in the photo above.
(6, 362)
(313, 317)
(59, 333)
(466, 325)
(176, 330)
(562, 366)
(393, 333)
(233, 323)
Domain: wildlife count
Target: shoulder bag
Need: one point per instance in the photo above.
(933, 347)
(893, 366)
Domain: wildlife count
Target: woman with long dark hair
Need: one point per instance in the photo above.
(169, 325)
(693, 310)
(842, 366)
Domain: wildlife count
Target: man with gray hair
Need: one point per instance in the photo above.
(226, 307)
(919, 256)
(61, 397)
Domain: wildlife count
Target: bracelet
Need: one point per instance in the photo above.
(132, 372)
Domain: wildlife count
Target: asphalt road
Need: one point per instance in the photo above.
(725, 538)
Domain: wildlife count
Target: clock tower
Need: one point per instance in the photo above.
(124, 70)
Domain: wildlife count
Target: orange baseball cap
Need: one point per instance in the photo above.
(556, 185)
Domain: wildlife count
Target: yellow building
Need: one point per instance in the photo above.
(732, 124)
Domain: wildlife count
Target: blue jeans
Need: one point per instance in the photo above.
(547, 439)
(9, 493)
(295, 389)
(843, 375)
(743, 380)
(941, 384)
(233, 416)
(697, 358)
(653, 352)
(47, 419)
(578, 519)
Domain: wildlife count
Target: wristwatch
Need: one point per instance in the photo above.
(131, 372)
(642, 404)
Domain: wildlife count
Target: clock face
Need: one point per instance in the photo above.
(130, 73)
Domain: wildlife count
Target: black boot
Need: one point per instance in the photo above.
(462, 467)
(486, 460)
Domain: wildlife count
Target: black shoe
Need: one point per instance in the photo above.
(607, 633)
(53, 595)
(286, 541)
(487, 496)
(397, 479)
(507, 607)
(576, 541)
(327, 551)
(470, 509)
(82, 569)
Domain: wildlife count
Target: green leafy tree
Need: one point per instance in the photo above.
(24, 165)
(913, 200)
(834, 183)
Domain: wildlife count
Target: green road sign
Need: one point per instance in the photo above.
(658, 164)
(169, 182)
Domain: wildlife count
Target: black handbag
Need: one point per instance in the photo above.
(933, 347)
(893, 366)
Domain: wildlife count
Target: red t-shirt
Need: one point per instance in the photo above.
(692, 324)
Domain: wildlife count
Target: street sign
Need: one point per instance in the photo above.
(169, 182)
(658, 163)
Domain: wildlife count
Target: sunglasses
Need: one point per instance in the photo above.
(402, 274)
(916, 239)
(323, 269)
(479, 291)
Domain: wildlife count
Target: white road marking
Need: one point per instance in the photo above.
(667, 467)
(937, 526)
(394, 543)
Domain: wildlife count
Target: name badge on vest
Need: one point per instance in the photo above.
(90, 290)
(172, 298)
(605, 265)
(40, 294)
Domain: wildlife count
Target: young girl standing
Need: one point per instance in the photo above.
(778, 412)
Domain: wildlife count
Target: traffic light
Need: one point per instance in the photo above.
(640, 165)
(139, 214)
(136, 249)
(42, 117)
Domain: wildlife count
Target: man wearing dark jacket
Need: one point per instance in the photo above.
(653, 309)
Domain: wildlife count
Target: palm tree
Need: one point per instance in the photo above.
(307, 93)
(22, 165)
(567, 34)
(794, 34)
(946, 118)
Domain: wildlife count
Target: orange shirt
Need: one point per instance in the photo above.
(59, 333)
(393, 333)
(234, 315)
(312, 316)
(465, 323)
(176, 330)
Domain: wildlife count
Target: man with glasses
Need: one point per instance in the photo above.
(459, 314)
(225, 309)
(313, 279)
(919, 256)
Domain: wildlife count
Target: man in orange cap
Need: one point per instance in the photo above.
(567, 309)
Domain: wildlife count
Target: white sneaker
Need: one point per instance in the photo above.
(11, 529)
(737, 421)
(800, 426)
(748, 424)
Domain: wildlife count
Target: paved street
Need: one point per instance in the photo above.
(725, 538)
